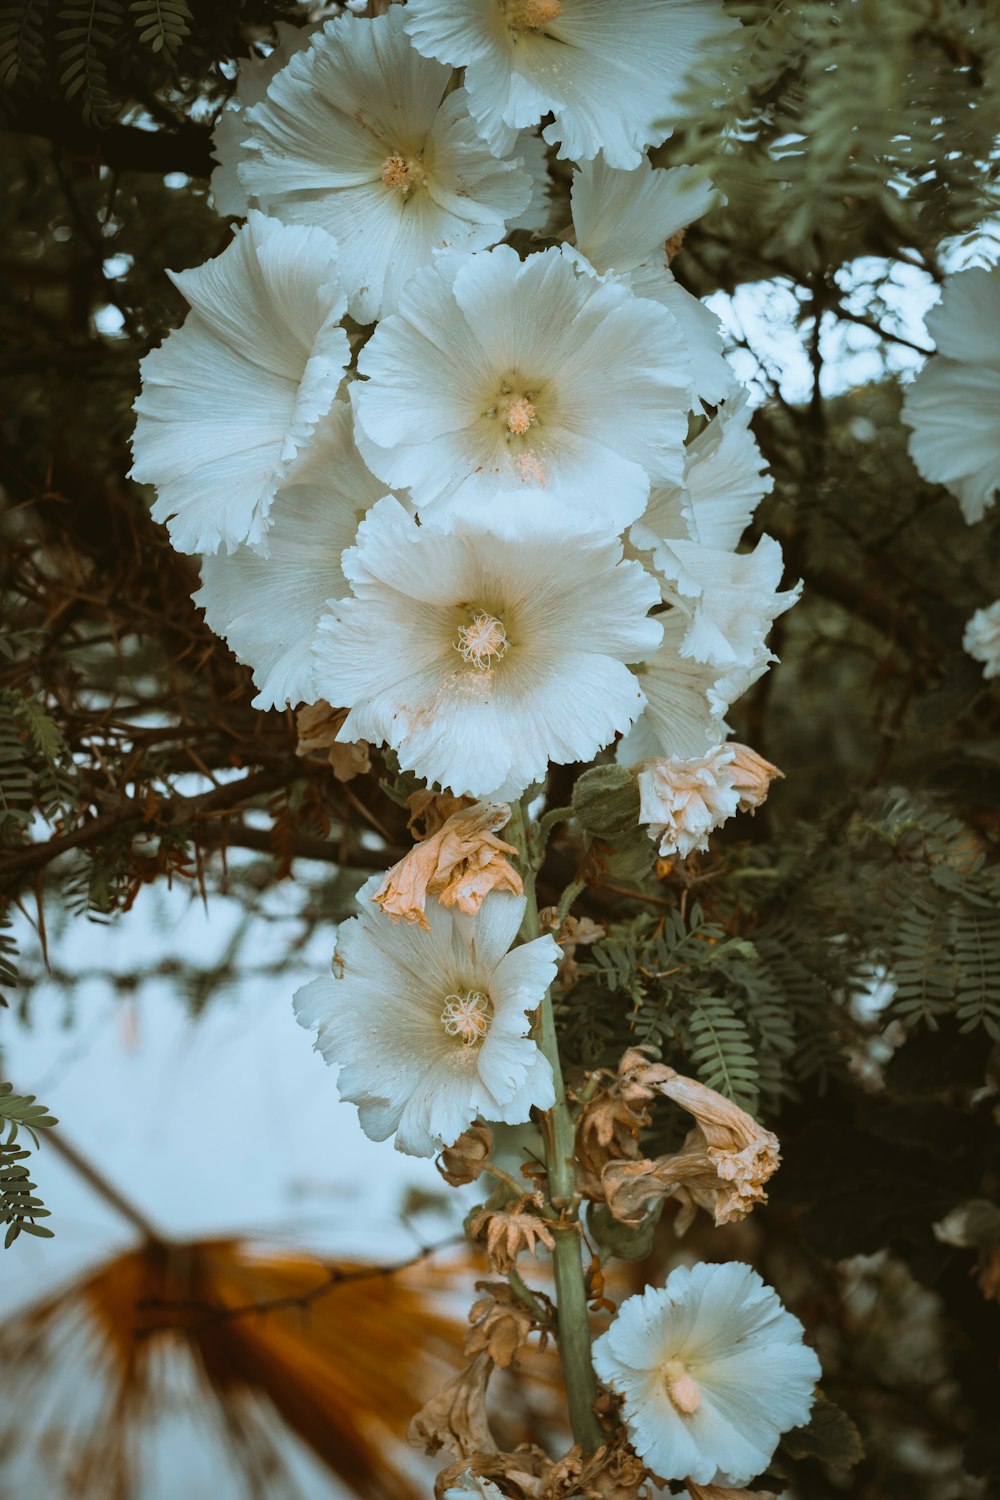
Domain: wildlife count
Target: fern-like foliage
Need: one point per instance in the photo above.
(20, 1207)
(162, 24)
(36, 769)
(22, 42)
(88, 33)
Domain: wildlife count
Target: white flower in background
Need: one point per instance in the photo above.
(255, 73)
(611, 71)
(498, 374)
(482, 653)
(359, 135)
(231, 400)
(953, 404)
(629, 224)
(725, 480)
(683, 801)
(686, 700)
(267, 603)
(712, 1370)
(982, 638)
(732, 598)
(430, 1028)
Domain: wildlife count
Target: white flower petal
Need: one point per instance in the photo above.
(485, 343)
(381, 1019)
(230, 400)
(721, 1328)
(268, 607)
(732, 598)
(359, 136)
(982, 638)
(610, 70)
(568, 616)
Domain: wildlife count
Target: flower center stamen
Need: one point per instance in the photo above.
(399, 173)
(467, 1016)
(682, 1388)
(482, 641)
(531, 15)
(520, 415)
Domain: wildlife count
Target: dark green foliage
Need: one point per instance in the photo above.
(20, 1208)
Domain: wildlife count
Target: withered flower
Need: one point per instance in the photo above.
(464, 1161)
(511, 1231)
(456, 1417)
(317, 726)
(460, 864)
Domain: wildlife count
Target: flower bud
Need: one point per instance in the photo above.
(606, 801)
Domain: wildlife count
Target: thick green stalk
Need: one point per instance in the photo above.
(571, 1296)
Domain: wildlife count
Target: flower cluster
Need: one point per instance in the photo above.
(480, 505)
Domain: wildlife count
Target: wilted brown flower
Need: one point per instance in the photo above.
(318, 725)
(460, 864)
(612, 1473)
(456, 1417)
(721, 1167)
(520, 1473)
(501, 1323)
(751, 776)
(430, 811)
(511, 1231)
(464, 1161)
(609, 1124)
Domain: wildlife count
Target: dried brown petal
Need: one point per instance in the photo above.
(752, 776)
(722, 1166)
(510, 1232)
(464, 1161)
(318, 725)
(456, 1417)
(612, 1473)
(460, 864)
(429, 811)
(501, 1323)
(517, 1474)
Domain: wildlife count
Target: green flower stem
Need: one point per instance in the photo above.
(573, 1335)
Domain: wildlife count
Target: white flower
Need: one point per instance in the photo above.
(230, 400)
(611, 71)
(267, 602)
(982, 638)
(724, 482)
(430, 1028)
(712, 1370)
(255, 73)
(359, 135)
(498, 374)
(952, 405)
(530, 147)
(482, 653)
(683, 801)
(626, 223)
(732, 598)
(686, 700)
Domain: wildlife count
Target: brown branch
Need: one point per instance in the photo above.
(336, 1276)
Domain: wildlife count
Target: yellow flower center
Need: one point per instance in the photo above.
(403, 173)
(520, 415)
(682, 1388)
(482, 642)
(467, 1016)
(530, 15)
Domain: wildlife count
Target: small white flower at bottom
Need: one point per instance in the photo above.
(982, 638)
(429, 1028)
(712, 1370)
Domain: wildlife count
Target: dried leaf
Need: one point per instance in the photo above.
(456, 1417)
